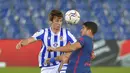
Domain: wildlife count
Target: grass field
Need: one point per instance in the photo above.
(37, 70)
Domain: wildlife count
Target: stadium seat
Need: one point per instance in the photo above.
(32, 15)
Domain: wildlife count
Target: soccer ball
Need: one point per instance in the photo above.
(72, 17)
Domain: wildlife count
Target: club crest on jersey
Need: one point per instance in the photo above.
(55, 44)
(61, 38)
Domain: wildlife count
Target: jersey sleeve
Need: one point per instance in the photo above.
(38, 35)
(81, 40)
(71, 38)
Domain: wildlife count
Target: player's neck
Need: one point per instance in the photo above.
(91, 36)
(55, 31)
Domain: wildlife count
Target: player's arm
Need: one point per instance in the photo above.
(52, 60)
(37, 36)
(93, 55)
(71, 38)
(64, 58)
(25, 42)
(69, 48)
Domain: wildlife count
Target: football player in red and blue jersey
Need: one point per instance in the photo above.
(80, 59)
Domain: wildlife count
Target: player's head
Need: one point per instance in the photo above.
(56, 17)
(89, 28)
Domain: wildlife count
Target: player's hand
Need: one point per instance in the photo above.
(93, 55)
(47, 61)
(50, 49)
(19, 45)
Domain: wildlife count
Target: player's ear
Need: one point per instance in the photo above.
(89, 30)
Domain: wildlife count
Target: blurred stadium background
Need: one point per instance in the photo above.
(19, 19)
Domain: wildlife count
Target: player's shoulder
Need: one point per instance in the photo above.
(38, 33)
(46, 29)
(41, 30)
(85, 37)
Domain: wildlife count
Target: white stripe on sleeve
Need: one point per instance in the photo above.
(72, 38)
(38, 34)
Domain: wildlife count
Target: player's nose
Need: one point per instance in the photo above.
(58, 24)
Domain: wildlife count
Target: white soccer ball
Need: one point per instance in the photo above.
(72, 17)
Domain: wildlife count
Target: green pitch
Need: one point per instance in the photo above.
(37, 70)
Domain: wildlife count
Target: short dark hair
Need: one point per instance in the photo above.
(55, 13)
(92, 26)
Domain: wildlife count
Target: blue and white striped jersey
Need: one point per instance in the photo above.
(48, 38)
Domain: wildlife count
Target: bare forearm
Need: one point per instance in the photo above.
(64, 58)
(59, 58)
(68, 48)
(24, 42)
(27, 41)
